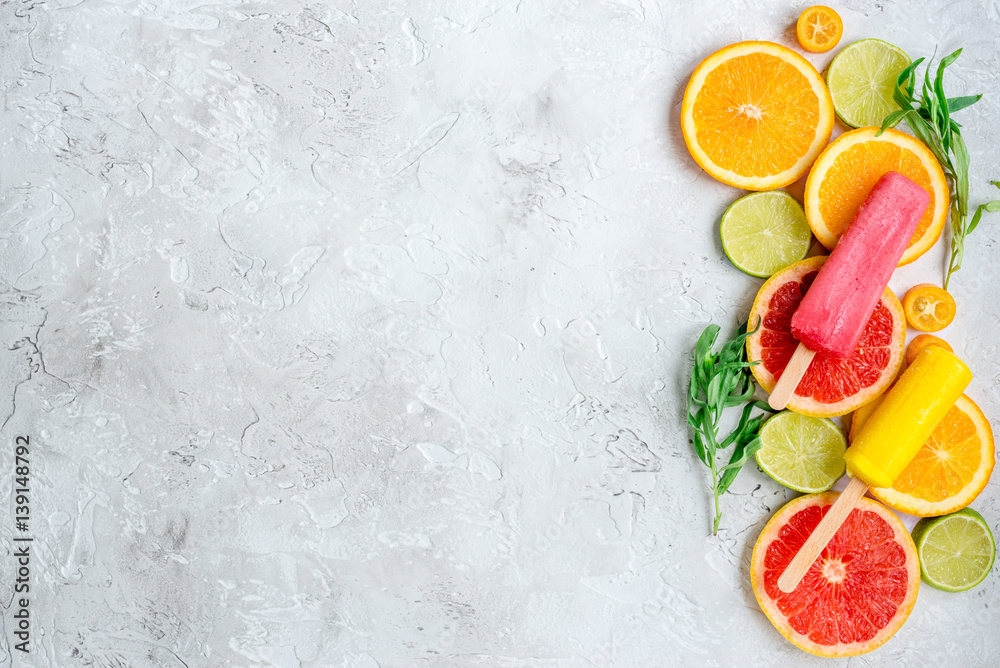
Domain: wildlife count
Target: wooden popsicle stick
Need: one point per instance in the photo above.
(790, 377)
(821, 535)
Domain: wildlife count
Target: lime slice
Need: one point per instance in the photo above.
(802, 452)
(956, 551)
(765, 232)
(862, 79)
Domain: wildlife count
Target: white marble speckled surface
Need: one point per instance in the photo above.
(355, 333)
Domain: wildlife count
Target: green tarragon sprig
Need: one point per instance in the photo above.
(720, 381)
(930, 120)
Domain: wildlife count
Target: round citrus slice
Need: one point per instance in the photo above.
(818, 29)
(801, 452)
(859, 591)
(755, 115)
(848, 169)
(956, 551)
(928, 308)
(832, 385)
(764, 232)
(862, 80)
(921, 341)
(949, 471)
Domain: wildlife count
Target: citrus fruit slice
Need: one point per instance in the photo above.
(859, 591)
(862, 79)
(921, 341)
(949, 471)
(956, 551)
(818, 29)
(802, 452)
(832, 385)
(928, 308)
(755, 115)
(846, 172)
(765, 232)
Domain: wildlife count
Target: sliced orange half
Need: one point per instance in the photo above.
(847, 170)
(755, 115)
(951, 469)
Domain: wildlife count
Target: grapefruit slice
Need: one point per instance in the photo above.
(858, 592)
(949, 471)
(832, 385)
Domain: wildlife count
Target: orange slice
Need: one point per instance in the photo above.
(928, 308)
(819, 29)
(920, 342)
(846, 172)
(755, 115)
(951, 469)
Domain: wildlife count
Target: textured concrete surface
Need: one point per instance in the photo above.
(356, 333)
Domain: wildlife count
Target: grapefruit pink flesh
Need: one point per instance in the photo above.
(858, 592)
(834, 313)
(832, 385)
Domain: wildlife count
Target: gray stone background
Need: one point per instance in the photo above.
(356, 333)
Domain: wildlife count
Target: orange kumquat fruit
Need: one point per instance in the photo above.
(928, 308)
(819, 29)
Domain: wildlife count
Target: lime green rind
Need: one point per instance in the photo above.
(803, 453)
(762, 233)
(861, 80)
(956, 551)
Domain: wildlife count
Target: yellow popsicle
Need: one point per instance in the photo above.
(904, 421)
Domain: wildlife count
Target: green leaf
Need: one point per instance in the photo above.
(928, 98)
(931, 122)
(905, 81)
(948, 60)
(959, 103)
(707, 430)
(961, 172)
(732, 469)
(891, 121)
(988, 207)
(922, 131)
(741, 428)
(979, 214)
(703, 348)
(699, 448)
(714, 390)
(943, 125)
(719, 381)
(754, 425)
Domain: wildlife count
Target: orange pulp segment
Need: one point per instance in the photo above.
(755, 115)
(949, 471)
(848, 169)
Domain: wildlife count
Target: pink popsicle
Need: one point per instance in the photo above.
(834, 312)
